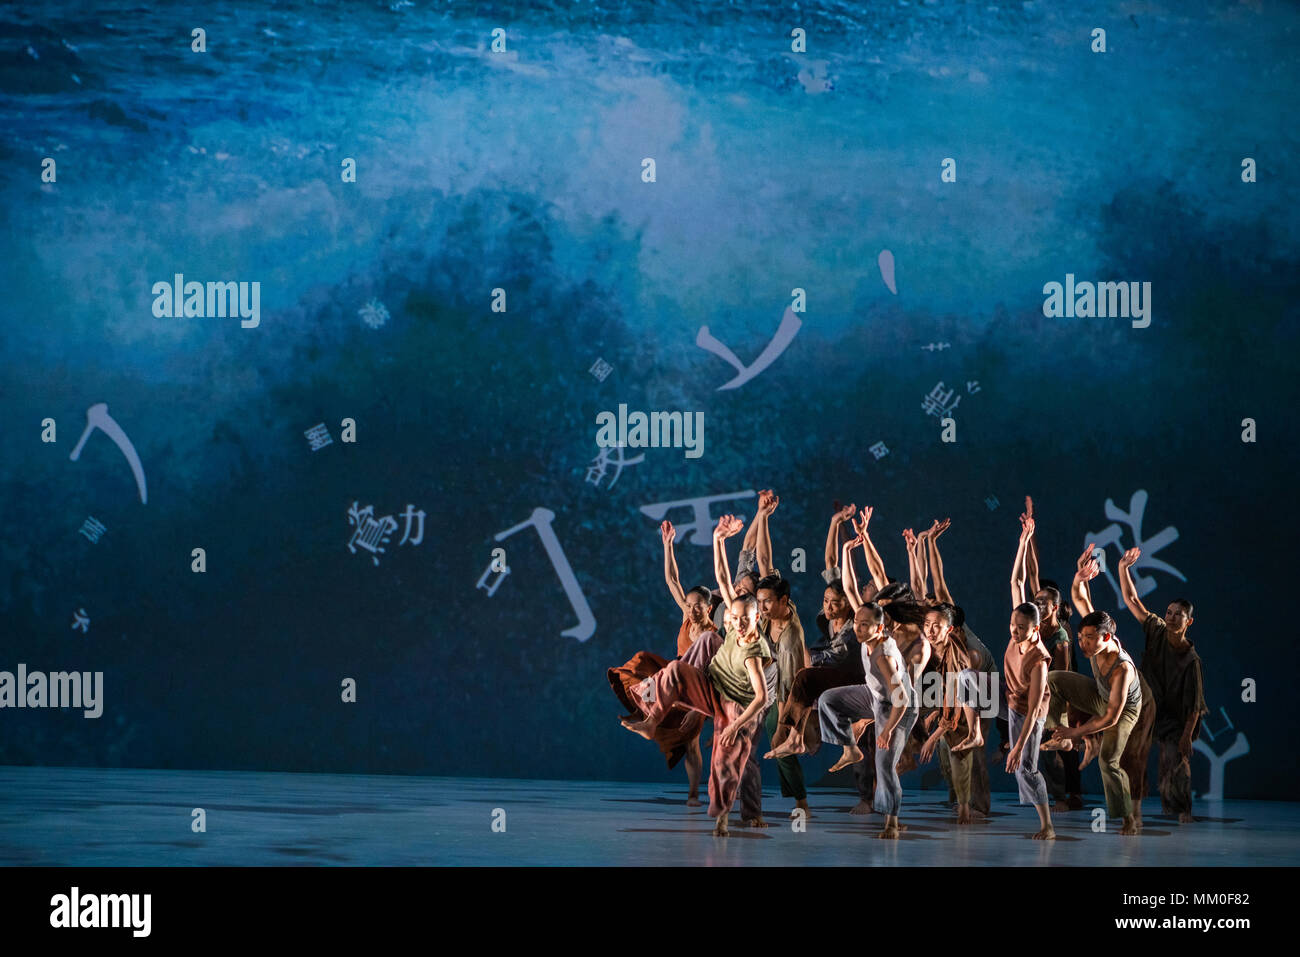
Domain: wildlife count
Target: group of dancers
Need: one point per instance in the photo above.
(743, 660)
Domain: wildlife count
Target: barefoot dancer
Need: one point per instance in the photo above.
(1024, 670)
(1172, 669)
(751, 784)
(695, 606)
(965, 665)
(1060, 768)
(732, 691)
(779, 623)
(835, 663)
(889, 697)
(1114, 702)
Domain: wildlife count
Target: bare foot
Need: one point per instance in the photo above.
(1046, 834)
(692, 800)
(852, 755)
(862, 807)
(889, 834)
(801, 806)
(754, 822)
(1185, 817)
(1091, 747)
(785, 750)
(637, 727)
(1055, 744)
(720, 828)
(963, 814)
(1060, 806)
(1130, 827)
(971, 741)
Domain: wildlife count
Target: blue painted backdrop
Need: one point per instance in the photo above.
(522, 171)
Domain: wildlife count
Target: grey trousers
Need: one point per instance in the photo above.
(838, 708)
(1033, 789)
(889, 790)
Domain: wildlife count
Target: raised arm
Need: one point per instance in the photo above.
(913, 573)
(1126, 586)
(874, 563)
(1031, 556)
(833, 534)
(666, 531)
(728, 525)
(1018, 566)
(923, 562)
(1086, 570)
(849, 576)
(764, 551)
(936, 562)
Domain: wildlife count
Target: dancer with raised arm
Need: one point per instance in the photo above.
(1172, 669)
(751, 784)
(1024, 669)
(732, 691)
(696, 607)
(889, 697)
(1112, 700)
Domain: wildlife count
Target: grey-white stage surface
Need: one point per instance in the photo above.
(93, 817)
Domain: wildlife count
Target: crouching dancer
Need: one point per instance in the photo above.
(732, 691)
(888, 697)
(1113, 700)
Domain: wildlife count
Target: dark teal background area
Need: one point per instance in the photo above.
(522, 171)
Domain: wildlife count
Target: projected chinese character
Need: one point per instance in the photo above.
(371, 533)
(936, 402)
(318, 436)
(596, 471)
(1113, 534)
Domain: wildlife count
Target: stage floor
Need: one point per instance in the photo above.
(94, 817)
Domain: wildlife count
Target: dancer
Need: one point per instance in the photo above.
(1113, 702)
(965, 665)
(889, 697)
(696, 607)
(732, 691)
(1172, 669)
(678, 734)
(751, 785)
(1024, 670)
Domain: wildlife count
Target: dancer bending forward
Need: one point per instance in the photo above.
(731, 691)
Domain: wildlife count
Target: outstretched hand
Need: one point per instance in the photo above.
(1026, 528)
(909, 537)
(667, 532)
(728, 525)
(938, 528)
(1086, 556)
(1129, 557)
(844, 514)
(1090, 570)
